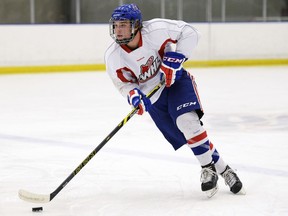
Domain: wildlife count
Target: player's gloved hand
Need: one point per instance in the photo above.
(171, 67)
(137, 98)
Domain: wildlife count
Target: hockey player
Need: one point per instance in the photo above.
(144, 52)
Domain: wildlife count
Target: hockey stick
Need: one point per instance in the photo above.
(43, 198)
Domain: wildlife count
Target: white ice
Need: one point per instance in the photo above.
(49, 123)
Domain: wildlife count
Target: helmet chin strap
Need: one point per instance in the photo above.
(134, 34)
(127, 40)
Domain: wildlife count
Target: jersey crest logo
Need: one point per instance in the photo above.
(149, 69)
(145, 68)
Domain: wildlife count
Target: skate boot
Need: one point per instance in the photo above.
(233, 181)
(209, 180)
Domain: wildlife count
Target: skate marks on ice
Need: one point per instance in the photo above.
(245, 122)
(143, 178)
(153, 156)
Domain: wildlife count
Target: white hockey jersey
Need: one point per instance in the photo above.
(139, 68)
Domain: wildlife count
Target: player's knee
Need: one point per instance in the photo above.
(189, 124)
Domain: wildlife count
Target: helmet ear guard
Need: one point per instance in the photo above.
(126, 12)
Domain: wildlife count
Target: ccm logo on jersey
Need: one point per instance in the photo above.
(173, 60)
(186, 105)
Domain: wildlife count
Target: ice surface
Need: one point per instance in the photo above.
(49, 123)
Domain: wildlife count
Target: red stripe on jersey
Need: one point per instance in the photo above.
(162, 48)
(196, 91)
(198, 138)
(128, 77)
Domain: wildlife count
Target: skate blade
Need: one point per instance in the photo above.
(242, 192)
(212, 192)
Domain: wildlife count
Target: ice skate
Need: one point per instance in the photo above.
(233, 181)
(209, 180)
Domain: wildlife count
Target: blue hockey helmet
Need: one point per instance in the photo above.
(124, 12)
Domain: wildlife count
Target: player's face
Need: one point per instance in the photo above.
(122, 29)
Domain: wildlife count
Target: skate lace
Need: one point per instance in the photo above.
(230, 177)
(206, 175)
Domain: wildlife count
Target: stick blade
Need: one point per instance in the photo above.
(33, 197)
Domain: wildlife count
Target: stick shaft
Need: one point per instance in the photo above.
(94, 152)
